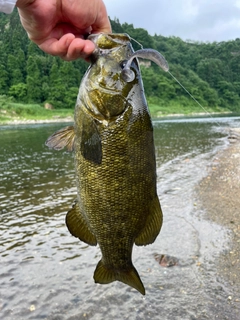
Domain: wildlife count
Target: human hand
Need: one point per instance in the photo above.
(58, 27)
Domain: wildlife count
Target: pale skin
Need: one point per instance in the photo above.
(59, 27)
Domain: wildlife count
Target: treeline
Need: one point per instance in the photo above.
(209, 71)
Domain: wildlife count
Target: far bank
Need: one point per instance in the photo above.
(19, 113)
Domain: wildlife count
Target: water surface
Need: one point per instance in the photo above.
(47, 274)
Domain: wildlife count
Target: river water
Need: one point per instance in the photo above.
(47, 274)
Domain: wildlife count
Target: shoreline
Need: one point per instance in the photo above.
(71, 118)
(32, 121)
(219, 197)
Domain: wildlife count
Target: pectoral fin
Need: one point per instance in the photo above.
(91, 145)
(62, 138)
(152, 226)
(78, 227)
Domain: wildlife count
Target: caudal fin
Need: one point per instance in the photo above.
(130, 276)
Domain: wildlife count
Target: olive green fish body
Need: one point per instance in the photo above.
(115, 163)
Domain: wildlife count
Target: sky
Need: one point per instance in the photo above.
(198, 20)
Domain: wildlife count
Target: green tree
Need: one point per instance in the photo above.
(19, 92)
(211, 70)
(34, 84)
(4, 79)
(157, 84)
(68, 74)
(14, 70)
(116, 26)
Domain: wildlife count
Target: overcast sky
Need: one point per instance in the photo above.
(199, 20)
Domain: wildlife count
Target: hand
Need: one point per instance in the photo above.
(58, 27)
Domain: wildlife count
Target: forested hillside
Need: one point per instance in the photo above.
(210, 71)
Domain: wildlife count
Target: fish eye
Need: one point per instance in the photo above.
(123, 64)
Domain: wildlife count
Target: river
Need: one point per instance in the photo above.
(47, 274)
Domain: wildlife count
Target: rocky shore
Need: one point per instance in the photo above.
(219, 195)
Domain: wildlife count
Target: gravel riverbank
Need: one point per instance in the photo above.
(219, 195)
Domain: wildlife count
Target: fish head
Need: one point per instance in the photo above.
(104, 89)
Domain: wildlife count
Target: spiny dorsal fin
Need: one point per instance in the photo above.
(62, 138)
(78, 227)
(128, 276)
(152, 226)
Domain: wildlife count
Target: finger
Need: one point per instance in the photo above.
(79, 48)
(57, 47)
(68, 47)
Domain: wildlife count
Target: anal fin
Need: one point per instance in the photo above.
(78, 227)
(153, 224)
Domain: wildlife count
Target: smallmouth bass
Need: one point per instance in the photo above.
(112, 139)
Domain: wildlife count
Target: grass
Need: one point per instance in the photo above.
(176, 108)
(11, 111)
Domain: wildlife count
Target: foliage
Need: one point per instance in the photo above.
(10, 110)
(209, 71)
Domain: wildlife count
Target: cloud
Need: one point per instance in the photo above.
(202, 20)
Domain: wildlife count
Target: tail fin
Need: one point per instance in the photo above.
(130, 276)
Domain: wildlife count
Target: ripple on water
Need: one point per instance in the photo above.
(48, 274)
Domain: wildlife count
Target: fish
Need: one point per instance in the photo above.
(117, 204)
